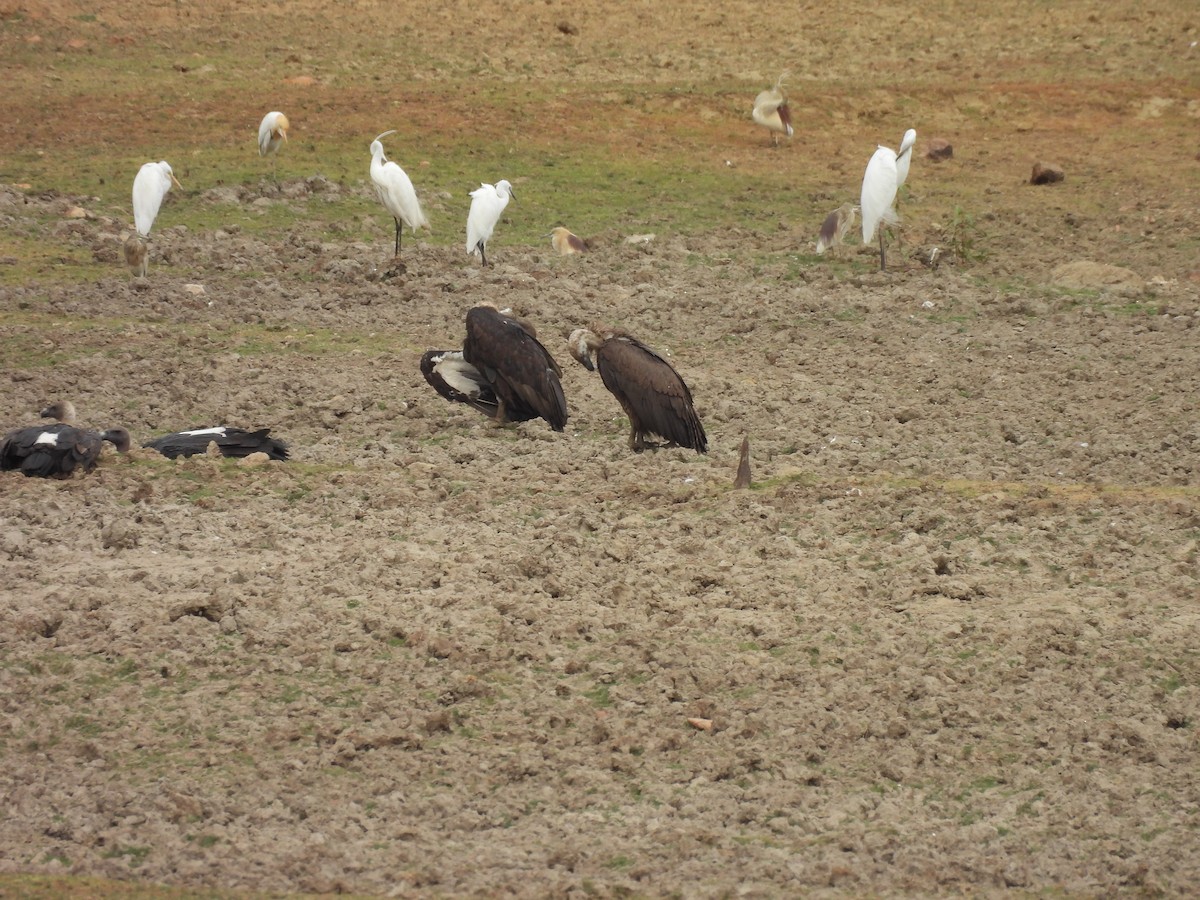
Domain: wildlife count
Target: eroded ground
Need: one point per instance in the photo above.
(947, 642)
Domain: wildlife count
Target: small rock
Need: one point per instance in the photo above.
(194, 288)
(938, 149)
(254, 459)
(76, 212)
(1046, 173)
(640, 238)
(567, 28)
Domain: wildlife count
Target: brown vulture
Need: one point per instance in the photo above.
(232, 442)
(503, 371)
(56, 451)
(654, 397)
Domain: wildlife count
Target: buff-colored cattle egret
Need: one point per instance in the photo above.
(771, 111)
(878, 198)
(835, 227)
(487, 203)
(151, 184)
(395, 190)
(272, 133)
(565, 243)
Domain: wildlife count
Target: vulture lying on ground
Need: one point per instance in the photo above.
(650, 391)
(502, 370)
(232, 442)
(56, 451)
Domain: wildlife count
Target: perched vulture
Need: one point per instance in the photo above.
(654, 397)
(502, 370)
(232, 442)
(56, 451)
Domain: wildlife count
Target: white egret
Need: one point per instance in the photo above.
(151, 184)
(153, 181)
(272, 133)
(835, 227)
(904, 156)
(879, 197)
(395, 190)
(487, 203)
(771, 111)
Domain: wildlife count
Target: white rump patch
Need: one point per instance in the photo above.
(219, 431)
(47, 438)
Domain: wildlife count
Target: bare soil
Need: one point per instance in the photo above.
(948, 642)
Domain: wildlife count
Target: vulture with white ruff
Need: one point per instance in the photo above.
(654, 397)
(56, 451)
(502, 370)
(232, 442)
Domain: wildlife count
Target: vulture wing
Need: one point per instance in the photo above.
(459, 381)
(522, 372)
(232, 442)
(650, 391)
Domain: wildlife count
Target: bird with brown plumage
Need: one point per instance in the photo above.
(653, 395)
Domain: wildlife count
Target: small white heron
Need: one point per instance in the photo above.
(771, 111)
(151, 184)
(153, 181)
(880, 183)
(395, 191)
(487, 203)
(272, 133)
(904, 156)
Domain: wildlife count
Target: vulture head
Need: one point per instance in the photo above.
(118, 437)
(583, 342)
(61, 410)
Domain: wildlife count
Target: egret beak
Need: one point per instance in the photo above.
(385, 134)
(175, 181)
(283, 134)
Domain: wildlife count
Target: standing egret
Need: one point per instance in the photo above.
(487, 203)
(904, 157)
(878, 198)
(151, 184)
(771, 111)
(395, 190)
(272, 132)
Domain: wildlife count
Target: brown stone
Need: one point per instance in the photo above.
(938, 149)
(1046, 173)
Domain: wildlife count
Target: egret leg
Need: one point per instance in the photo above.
(397, 253)
(882, 252)
(483, 253)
